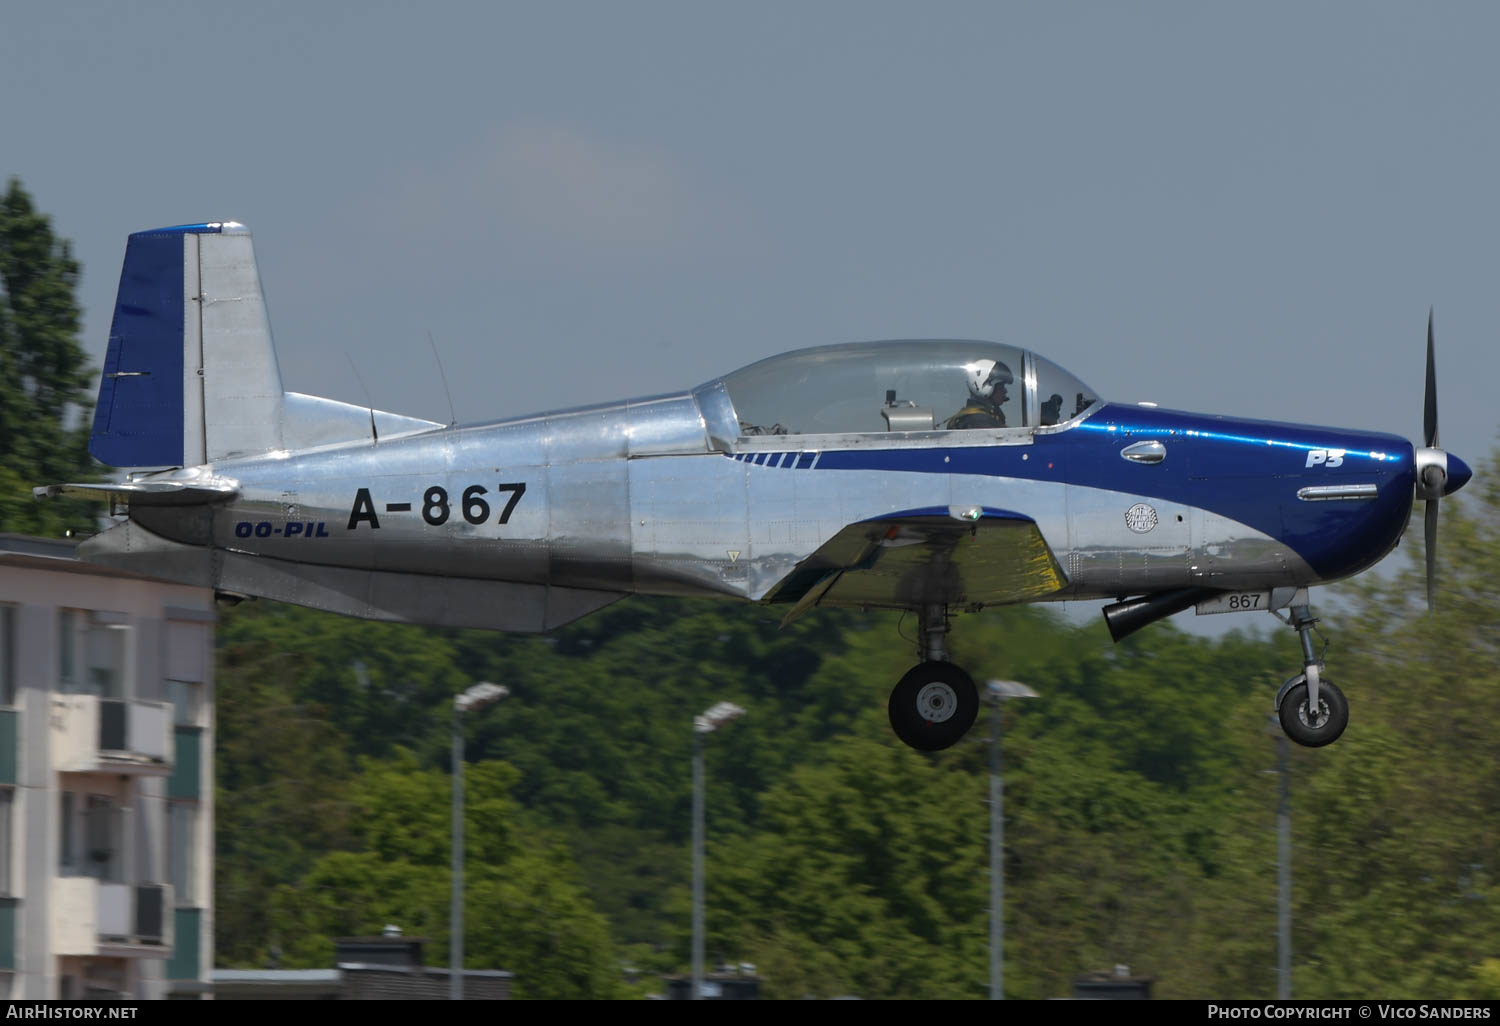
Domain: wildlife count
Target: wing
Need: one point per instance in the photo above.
(955, 555)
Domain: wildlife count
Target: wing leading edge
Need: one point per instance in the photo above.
(955, 555)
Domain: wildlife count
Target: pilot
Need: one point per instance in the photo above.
(987, 380)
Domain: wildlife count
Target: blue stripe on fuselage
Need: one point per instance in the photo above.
(1246, 470)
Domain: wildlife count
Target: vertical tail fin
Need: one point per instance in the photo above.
(190, 333)
(190, 376)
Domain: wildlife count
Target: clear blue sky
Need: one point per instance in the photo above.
(1240, 208)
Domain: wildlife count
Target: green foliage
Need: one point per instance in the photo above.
(283, 781)
(45, 396)
(900, 840)
(523, 909)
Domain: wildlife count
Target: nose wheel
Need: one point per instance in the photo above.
(1313, 711)
(1313, 726)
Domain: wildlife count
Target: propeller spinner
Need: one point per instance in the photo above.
(1438, 472)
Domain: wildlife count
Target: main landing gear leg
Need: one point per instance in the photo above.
(935, 703)
(1312, 709)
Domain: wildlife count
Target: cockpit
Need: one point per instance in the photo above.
(872, 387)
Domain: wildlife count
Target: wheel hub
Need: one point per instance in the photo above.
(937, 702)
(1314, 721)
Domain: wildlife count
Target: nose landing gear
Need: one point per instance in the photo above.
(1313, 711)
(936, 702)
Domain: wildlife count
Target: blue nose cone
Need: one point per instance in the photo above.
(1458, 474)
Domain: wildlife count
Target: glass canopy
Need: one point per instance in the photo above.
(870, 387)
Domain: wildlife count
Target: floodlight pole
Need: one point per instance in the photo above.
(997, 868)
(456, 911)
(707, 723)
(1283, 874)
(476, 697)
(999, 691)
(697, 865)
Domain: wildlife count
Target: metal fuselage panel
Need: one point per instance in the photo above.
(634, 497)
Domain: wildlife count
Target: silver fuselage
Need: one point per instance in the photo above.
(647, 497)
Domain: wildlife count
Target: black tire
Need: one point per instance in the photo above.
(1333, 715)
(933, 706)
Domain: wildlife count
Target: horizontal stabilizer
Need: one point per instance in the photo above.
(146, 493)
(371, 594)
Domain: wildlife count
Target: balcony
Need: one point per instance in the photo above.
(111, 735)
(98, 917)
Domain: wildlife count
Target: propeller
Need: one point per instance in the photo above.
(1438, 472)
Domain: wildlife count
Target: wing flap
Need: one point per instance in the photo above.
(961, 555)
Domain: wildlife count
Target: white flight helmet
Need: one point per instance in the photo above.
(984, 375)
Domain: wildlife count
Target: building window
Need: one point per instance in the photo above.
(68, 849)
(92, 653)
(186, 661)
(103, 830)
(7, 655)
(92, 834)
(67, 647)
(106, 659)
(186, 699)
(187, 644)
(7, 800)
(183, 854)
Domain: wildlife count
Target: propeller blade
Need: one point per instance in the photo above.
(1429, 410)
(1430, 530)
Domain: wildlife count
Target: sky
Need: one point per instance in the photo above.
(1234, 208)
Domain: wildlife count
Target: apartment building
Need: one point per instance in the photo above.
(106, 780)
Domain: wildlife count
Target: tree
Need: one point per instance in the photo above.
(44, 374)
(283, 800)
(524, 910)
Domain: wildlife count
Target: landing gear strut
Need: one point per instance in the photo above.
(935, 703)
(1313, 711)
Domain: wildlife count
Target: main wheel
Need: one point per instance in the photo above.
(933, 706)
(1314, 731)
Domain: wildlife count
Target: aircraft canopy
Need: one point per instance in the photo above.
(868, 387)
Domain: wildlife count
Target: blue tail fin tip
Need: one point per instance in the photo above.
(205, 228)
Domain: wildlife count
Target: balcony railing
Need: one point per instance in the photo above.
(99, 917)
(113, 735)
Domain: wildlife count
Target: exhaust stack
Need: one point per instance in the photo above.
(1127, 617)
